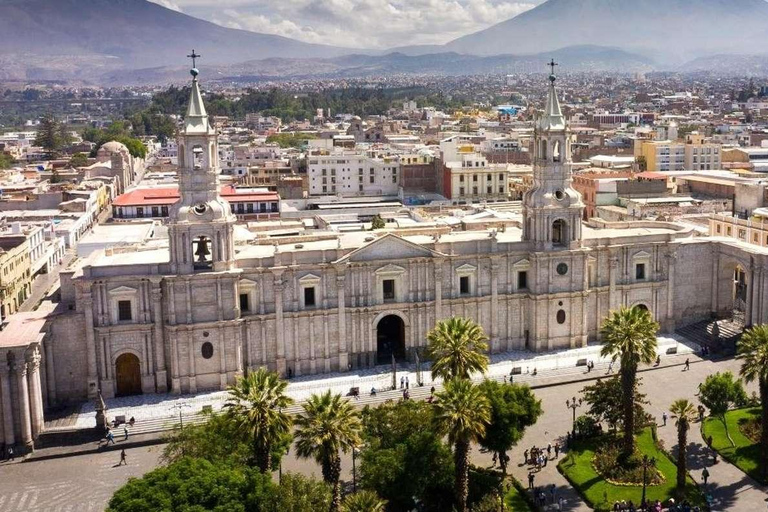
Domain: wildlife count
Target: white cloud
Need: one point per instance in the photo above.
(169, 4)
(357, 23)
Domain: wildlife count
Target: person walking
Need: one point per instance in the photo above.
(549, 450)
(610, 367)
(531, 476)
(110, 437)
(125, 431)
(664, 417)
(525, 457)
(687, 365)
(402, 382)
(705, 475)
(557, 450)
(10, 455)
(407, 383)
(122, 458)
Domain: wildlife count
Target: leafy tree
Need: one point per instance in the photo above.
(78, 160)
(256, 404)
(290, 139)
(604, 399)
(462, 412)
(189, 485)
(629, 335)
(218, 440)
(50, 135)
(514, 407)
(118, 131)
(685, 413)
(296, 493)
(404, 458)
(753, 349)
(377, 222)
(719, 393)
(458, 348)
(363, 501)
(5, 160)
(328, 426)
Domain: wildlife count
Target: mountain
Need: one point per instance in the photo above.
(729, 65)
(581, 58)
(667, 30)
(63, 35)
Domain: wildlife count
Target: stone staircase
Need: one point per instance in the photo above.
(701, 333)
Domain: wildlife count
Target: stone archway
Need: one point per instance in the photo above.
(128, 375)
(390, 339)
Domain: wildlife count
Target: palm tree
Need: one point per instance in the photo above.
(363, 501)
(458, 348)
(629, 335)
(255, 404)
(685, 412)
(753, 349)
(462, 412)
(328, 426)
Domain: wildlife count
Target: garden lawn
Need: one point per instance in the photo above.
(745, 454)
(515, 501)
(601, 495)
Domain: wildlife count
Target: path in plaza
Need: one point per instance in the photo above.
(731, 489)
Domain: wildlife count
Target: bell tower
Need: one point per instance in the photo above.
(552, 208)
(201, 224)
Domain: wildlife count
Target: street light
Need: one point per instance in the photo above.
(180, 406)
(646, 464)
(354, 469)
(573, 404)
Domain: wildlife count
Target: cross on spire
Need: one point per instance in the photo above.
(193, 56)
(551, 64)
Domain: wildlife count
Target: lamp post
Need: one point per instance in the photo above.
(354, 469)
(646, 464)
(573, 404)
(180, 406)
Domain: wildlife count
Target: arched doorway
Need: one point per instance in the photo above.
(128, 375)
(559, 232)
(641, 307)
(390, 339)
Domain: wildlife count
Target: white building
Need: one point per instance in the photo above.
(353, 174)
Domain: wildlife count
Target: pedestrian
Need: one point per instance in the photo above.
(525, 457)
(402, 382)
(407, 383)
(494, 459)
(110, 437)
(658, 359)
(687, 365)
(122, 458)
(557, 450)
(561, 503)
(705, 476)
(552, 492)
(610, 367)
(432, 390)
(125, 431)
(664, 417)
(699, 387)
(531, 476)
(549, 449)
(505, 379)
(10, 455)
(544, 460)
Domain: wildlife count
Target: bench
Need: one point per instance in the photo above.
(354, 391)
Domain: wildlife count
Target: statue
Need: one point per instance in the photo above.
(101, 413)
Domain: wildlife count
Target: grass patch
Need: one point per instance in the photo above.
(515, 499)
(746, 454)
(601, 494)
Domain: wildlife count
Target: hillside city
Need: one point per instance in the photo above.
(539, 290)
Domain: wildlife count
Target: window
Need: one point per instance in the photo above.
(155, 211)
(717, 229)
(139, 211)
(489, 190)
(561, 316)
(164, 211)
(309, 296)
(522, 280)
(371, 178)
(207, 350)
(474, 178)
(394, 178)
(124, 311)
(464, 285)
(640, 271)
(474, 191)
(461, 191)
(388, 287)
(461, 178)
(249, 207)
(244, 305)
(501, 189)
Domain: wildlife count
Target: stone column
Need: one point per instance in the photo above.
(35, 393)
(715, 279)
(343, 348)
(158, 338)
(5, 394)
(438, 289)
(50, 371)
(750, 295)
(671, 257)
(494, 305)
(90, 345)
(279, 333)
(23, 398)
(614, 268)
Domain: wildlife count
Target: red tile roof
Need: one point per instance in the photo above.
(168, 195)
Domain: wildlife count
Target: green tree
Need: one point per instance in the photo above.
(363, 501)
(462, 412)
(189, 485)
(685, 413)
(377, 222)
(458, 348)
(605, 397)
(629, 335)
(753, 349)
(6, 161)
(256, 404)
(218, 440)
(328, 426)
(296, 493)
(404, 458)
(50, 135)
(78, 160)
(719, 393)
(514, 407)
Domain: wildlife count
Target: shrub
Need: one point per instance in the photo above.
(587, 426)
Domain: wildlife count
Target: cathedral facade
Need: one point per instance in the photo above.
(199, 311)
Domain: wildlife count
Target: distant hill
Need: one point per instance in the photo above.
(59, 36)
(726, 64)
(667, 30)
(580, 58)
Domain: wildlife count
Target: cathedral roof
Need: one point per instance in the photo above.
(553, 118)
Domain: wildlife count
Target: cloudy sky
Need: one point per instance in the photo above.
(356, 23)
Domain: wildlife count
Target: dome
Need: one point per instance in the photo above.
(114, 147)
